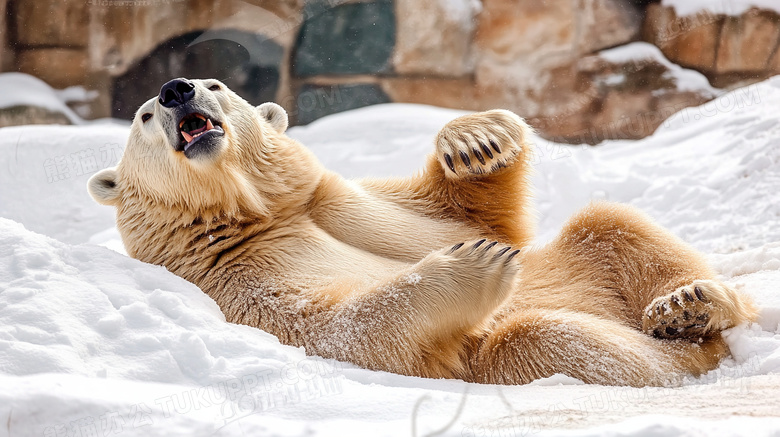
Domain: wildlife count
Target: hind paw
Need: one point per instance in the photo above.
(695, 310)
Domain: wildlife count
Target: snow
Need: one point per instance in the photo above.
(727, 7)
(47, 168)
(23, 89)
(95, 343)
(76, 94)
(685, 79)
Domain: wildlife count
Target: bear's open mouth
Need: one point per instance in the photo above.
(193, 126)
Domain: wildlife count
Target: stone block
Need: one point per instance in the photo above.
(60, 23)
(747, 41)
(58, 67)
(434, 37)
(353, 38)
(316, 101)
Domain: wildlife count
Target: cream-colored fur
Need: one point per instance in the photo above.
(431, 275)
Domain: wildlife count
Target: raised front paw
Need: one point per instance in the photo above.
(477, 273)
(695, 310)
(481, 143)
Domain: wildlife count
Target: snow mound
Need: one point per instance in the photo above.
(123, 318)
(21, 89)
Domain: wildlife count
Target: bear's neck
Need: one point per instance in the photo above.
(191, 244)
(189, 247)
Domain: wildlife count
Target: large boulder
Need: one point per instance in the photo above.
(528, 53)
(620, 93)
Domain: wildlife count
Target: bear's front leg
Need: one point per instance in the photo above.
(480, 172)
(419, 322)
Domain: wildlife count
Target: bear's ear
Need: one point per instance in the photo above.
(275, 115)
(103, 187)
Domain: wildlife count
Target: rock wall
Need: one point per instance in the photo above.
(542, 60)
(729, 50)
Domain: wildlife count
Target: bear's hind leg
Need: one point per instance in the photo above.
(534, 344)
(648, 270)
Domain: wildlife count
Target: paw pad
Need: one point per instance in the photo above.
(687, 312)
(480, 143)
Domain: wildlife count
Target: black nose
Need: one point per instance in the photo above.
(176, 92)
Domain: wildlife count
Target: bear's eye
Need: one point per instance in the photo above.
(215, 87)
(146, 117)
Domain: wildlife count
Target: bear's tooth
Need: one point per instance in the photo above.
(187, 137)
(209, 126)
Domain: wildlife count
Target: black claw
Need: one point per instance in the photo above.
(479, 156)
(688, 296)
(502, 252)
(450, 164)
(490, 246)
(486, 149)
(671, 331)
(465, 158)
(676, 300)
(512, 255)
(657, 332)
(698, 292)
(456, 247)
(479, 243)
(495, 146)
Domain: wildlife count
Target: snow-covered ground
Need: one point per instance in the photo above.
(94, 343)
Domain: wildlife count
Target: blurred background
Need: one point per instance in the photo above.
(579, 71)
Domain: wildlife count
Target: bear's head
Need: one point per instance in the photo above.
(200, 158)
(200, 150)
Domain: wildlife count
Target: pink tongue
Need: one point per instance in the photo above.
(188, 136)
(197, 131)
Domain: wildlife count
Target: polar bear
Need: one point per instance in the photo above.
(433, 275)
